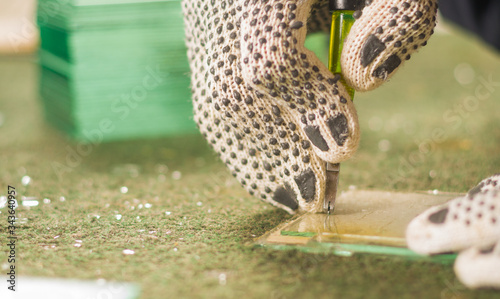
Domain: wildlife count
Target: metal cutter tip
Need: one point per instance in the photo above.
(332, 182)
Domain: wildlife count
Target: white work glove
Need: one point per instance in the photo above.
(470, 225)
(267, 105)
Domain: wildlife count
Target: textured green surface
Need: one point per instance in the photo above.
(215, 237)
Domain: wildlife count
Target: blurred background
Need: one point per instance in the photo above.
(18, 32)
(108, 70)
(97, 136)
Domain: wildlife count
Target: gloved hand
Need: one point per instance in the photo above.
(469, 224)
(269, 107)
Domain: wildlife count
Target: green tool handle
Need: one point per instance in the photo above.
(342, 21)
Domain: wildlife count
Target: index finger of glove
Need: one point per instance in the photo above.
(276, 63)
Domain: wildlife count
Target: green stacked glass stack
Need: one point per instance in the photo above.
(114, 69)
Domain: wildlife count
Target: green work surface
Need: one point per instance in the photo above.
(200, 251)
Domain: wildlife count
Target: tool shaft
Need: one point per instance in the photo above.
(332, 182)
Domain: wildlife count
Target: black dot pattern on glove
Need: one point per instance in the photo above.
(439, 216)
(263, 101)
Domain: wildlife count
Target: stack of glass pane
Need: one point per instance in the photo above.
(114, 68)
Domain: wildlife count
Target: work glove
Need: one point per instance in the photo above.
(469, 224)
(267, 105)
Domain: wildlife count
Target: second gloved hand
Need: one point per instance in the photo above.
(469, 224)
(269, 107)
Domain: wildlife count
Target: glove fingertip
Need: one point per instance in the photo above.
(477, 267)
(383, 38)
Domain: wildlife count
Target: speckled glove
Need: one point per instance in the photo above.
(269, 107)
(470, 224)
